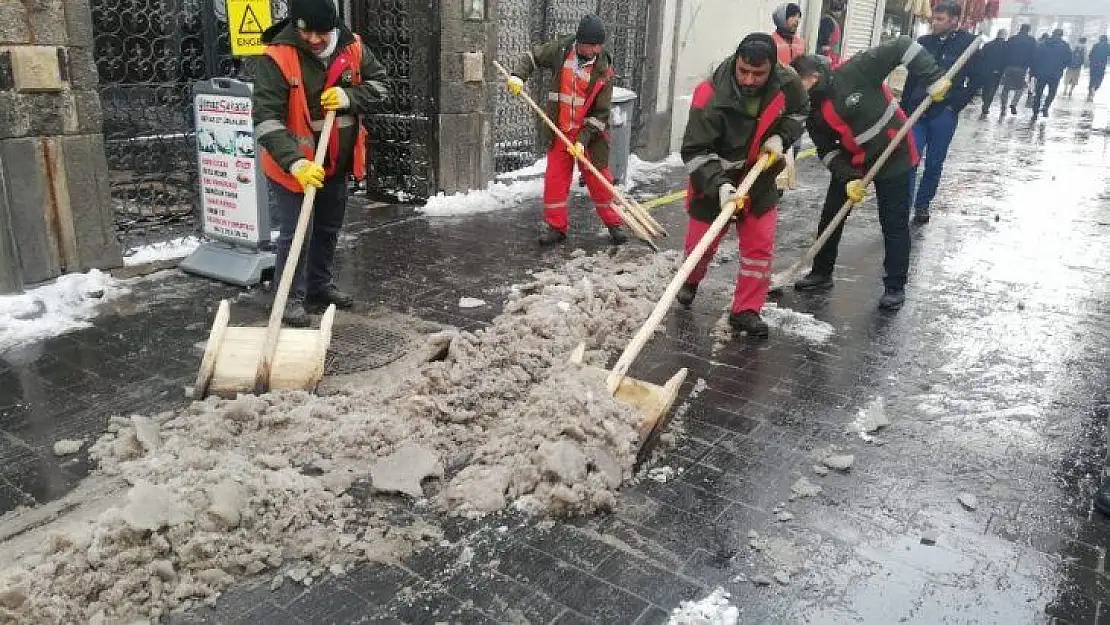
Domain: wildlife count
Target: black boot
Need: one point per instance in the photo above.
(331, 294)
(1045, 113)
(617, 236)
(893, 298)
(1102, 498)
(813, 281)
(686, 295)
(552, 237)
(750, 322)
(921, 216)
(295, 316)
(1013, 109)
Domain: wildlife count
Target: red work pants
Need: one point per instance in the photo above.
(556, 190)
(757, 244)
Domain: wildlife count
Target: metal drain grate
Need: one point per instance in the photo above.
(361, 345)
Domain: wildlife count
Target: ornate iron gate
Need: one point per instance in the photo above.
(524, 23)
(404, 36)
(148, 55)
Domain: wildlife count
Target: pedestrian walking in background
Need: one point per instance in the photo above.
(1021, 49)
(992, 64)
(1075, 67)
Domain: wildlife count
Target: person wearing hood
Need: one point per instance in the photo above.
(1052, 59)
(852, 121)
(1100, 54)
(579, 101)
(830, 35)
(787, 18)
(312, 65)
(751, 106)
(933, 133)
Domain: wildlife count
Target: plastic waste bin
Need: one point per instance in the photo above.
(620, 131)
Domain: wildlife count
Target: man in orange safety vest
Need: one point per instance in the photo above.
(312, 65)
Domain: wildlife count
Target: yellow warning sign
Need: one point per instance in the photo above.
(246, 21)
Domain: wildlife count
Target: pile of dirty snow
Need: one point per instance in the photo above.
(225, 489)
(55, 308)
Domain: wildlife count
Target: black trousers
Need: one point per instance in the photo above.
(1053, 84)
(893, 194)
(316, 267)
(990, 88)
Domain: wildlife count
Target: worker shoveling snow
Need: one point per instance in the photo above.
(230, 488)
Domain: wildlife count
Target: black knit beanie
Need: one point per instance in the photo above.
(317, 16)
(591, 30)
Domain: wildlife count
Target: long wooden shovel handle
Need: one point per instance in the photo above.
(811, 253)
(628, 213)
(620, 370)
(273, 329)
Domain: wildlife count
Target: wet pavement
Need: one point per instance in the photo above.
(994, 377)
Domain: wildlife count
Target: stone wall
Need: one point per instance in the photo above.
(55, 206)
(466, 95)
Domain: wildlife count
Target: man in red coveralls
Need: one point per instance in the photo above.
(579, 100)
(751, 106)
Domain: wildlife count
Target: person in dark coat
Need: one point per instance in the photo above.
(992, 63)
(1020, 51)
(1052, 59)
(1100, 53)
(853, 121)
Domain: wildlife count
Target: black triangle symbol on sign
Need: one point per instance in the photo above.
(249, 24)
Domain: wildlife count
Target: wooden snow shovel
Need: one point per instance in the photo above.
(653, 401)
(780, 280)
(256, 360)
(642, 224)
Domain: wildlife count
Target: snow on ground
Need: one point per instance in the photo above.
(515, 187)
(163, 250)
(799, 324)
(643, 172)
(713, 610)
(66, 304)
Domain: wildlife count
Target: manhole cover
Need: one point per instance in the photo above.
(361, 345)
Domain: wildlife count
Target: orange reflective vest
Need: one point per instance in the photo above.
(299, 122)
(575, 96)
(788, 50)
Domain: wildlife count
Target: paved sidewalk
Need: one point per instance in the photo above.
(994, 378)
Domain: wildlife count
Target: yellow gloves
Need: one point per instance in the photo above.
(334, 99)
(773, 148)
(726, 193)
(308, 174)
(515, 85)
(856, 191)
(576, 150)
(939, 90)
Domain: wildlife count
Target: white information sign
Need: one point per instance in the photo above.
(229, 176)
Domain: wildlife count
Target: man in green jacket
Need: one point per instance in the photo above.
(853, 120)
(750, 107)
(578, 101)
(312, 65)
